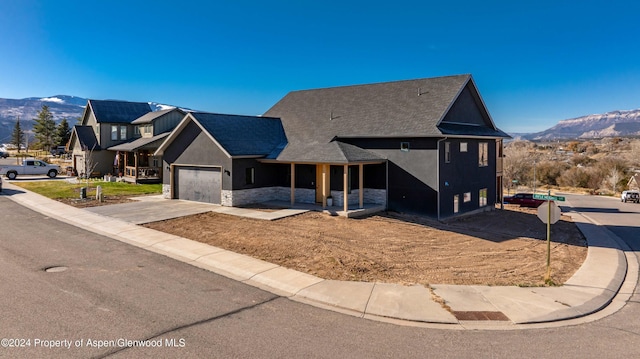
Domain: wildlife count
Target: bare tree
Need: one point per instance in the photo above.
(614, 177)
(89, 164)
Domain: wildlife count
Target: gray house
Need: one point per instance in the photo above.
(135, 158)
(104, 124)
(424, 146)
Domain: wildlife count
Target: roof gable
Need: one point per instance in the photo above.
(110, 111)
(86, 138)
(237, 135)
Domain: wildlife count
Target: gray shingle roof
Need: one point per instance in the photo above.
(411, 108)
(333, 152)
(244, 135)
(86, 137)
(110, 111)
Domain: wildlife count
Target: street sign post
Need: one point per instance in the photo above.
(549, 213)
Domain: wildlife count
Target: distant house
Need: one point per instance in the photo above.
(425, 146)
(104, 124)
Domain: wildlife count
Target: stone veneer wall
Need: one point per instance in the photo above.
(303, 195)
(373, 196)
(265, 194)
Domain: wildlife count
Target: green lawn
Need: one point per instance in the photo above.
(63, 189)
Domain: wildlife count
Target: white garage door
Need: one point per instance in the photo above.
(201, 184)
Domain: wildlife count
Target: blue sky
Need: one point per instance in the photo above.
(535, 63)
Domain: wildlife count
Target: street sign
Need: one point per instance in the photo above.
(543, 213)
(548, 197)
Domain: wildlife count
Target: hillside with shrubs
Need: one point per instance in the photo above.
(602, 166)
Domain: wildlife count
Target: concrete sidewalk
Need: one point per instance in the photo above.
(593, 287)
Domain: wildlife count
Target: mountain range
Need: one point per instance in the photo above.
(610, 124)
(60, 106)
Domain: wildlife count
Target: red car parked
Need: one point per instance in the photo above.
(524, 200)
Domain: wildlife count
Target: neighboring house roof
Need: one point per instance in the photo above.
(149, 117)
(110, 111)
(634, 182)
(86, 137)
(411, 108)
(142, 143)
(237, 135)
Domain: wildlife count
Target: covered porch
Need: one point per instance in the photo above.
(134, 161)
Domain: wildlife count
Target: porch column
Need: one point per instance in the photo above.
(126, 160)
(324, 186)
(293, 183)
(361, 184)
(135, 164)
(345, 188)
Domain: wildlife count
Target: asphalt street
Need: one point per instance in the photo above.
(102, 292)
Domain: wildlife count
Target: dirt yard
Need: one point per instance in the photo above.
(494, 248)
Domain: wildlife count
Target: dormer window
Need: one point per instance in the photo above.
(146, 130)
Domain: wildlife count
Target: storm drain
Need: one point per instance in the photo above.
(55, 269)
(498, 316)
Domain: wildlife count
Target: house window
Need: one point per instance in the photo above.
(456, 203)
(114, 133)
(463, 147)
(123, 132)
(483, 197)
(483, 154)
(467, 197)
(250, 175)
(136, 131)
(447, 152)
(404, 146)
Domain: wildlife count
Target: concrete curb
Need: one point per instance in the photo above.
(591, 288)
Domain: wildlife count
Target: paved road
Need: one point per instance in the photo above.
(113, 291)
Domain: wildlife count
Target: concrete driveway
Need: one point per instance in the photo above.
(151, 209)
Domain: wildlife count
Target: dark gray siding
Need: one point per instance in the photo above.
(466, 109)
(167, 122)
(464, 175)
(412, 174)
(193, 147)
(266, 174)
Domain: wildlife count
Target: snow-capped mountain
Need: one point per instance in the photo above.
(61, 106)
(610, 124)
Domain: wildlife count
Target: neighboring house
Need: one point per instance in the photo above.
(105, 123)
(425, 146)
(634, 182)
(135, 159)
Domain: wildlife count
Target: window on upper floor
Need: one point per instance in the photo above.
(463, 147)
(447, 152)
(483, 154)
(114, 132)
(123, 132)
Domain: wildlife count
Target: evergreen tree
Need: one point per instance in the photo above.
(45, 128)
(63, 133)
(17, 137)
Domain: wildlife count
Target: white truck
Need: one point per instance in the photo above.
(30, 167)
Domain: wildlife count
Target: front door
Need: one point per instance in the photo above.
(320, 195)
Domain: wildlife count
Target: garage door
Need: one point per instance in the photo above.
(201, 184)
